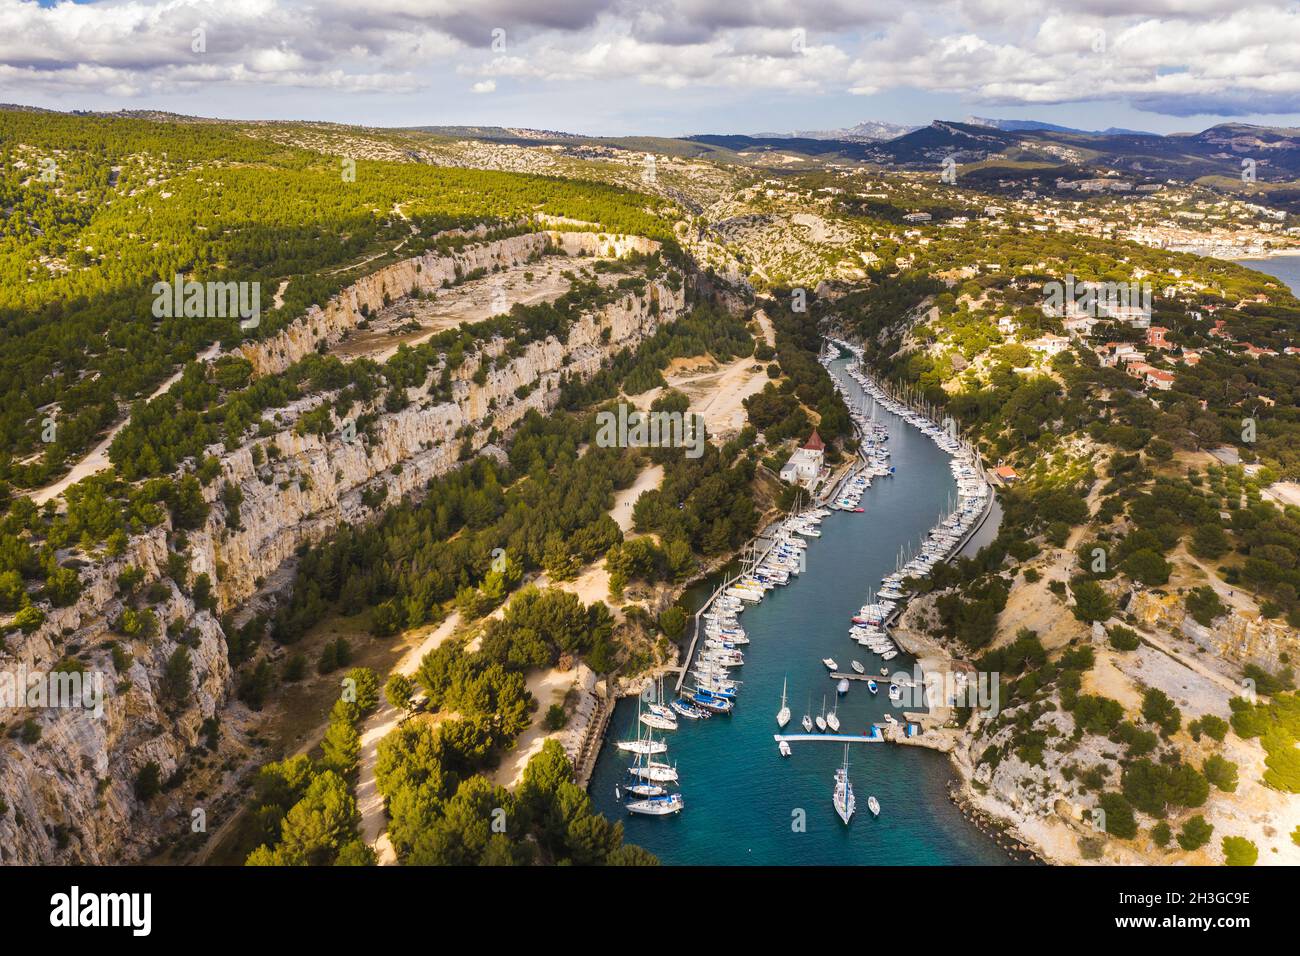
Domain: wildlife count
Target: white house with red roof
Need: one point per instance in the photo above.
(805, 465)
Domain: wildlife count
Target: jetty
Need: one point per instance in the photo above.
(875, 737)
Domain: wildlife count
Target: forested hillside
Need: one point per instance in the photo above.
(97, 210)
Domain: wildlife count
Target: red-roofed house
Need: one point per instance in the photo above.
(1162, 380)
(1156, 337)
(1006, 474)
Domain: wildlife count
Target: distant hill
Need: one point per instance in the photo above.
(1015, 126)
(872, 131)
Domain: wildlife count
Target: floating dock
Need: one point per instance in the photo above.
(875, 737)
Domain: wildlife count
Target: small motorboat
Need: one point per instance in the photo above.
(873, 686)
(857, 666)
(784, 748)
(830, 663)
(874, 806)
(884, 672)
(843, 686)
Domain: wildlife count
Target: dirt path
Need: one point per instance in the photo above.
(370, 802)
(625, 500)
(97, 459)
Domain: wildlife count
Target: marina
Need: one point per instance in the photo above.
(739, 776)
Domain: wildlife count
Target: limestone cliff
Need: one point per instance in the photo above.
(70, 796)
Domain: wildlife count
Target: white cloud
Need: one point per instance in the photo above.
(1171, 56)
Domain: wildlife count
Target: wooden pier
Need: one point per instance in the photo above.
(721, 588)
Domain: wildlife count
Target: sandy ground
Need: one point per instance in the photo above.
(717, 392)
(1283, 493)
(471, 301)
(548, 687)
(97, 460)
(370, 802)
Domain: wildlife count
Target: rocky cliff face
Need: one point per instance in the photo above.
(425, 273)
(70, 796)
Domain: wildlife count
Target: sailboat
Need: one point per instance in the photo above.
(654, 771)
(833, 719)
(657, 806)
(821, 718)
(843, 799)
(807, 718)
(638, 745)
(658, 714)
(783, 715)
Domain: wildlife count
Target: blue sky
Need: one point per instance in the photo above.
(664, 67)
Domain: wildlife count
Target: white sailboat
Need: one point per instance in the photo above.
(845, 804)
(783, 715)
(807, 717)
(660, 806)
(833, 719)
(821, 718)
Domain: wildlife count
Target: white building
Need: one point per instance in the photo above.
(805, 465)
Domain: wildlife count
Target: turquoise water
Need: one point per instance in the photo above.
(742, 798)
(1286, 268)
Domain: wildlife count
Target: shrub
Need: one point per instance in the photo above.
(1123, 638)
(1238, 851)
(1220, 772)
(1195, 833)
(1161, 834)
(1119, 815)
(148, 782)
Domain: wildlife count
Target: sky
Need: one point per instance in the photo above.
(663, 67)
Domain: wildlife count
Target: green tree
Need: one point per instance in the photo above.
(1091, 603)
(341, 747)
(1238, 851)
(1220, 772)
(176, 676)
(1195, 833)
(399, 690)
(1119, 815)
